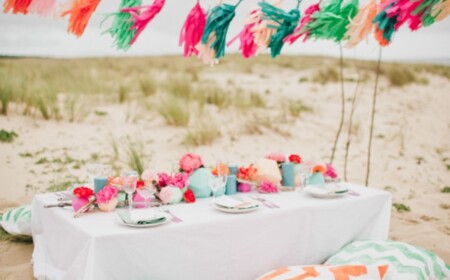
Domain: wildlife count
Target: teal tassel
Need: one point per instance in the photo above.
(285, 25)
(121, 29)
(330, 23)
(426, 8)
(217, 23)
(386, 24)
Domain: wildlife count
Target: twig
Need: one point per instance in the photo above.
(374, 103)
(341, 123)
(350, 124)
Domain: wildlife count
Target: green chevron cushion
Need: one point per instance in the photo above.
(17, 221)
(405, 261)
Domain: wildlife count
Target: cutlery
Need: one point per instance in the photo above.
(265, 202)
(59, 204)
(175, 219)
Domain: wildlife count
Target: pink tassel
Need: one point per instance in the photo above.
(43, 8)
(142, 18)
(298, 32)
(192, 30)
(248, 46)
(403, 10)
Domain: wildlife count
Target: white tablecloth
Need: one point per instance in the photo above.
(208, 244)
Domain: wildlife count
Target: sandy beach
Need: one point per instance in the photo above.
(410, 156)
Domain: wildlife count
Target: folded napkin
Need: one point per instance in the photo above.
(331, 189)
(229, 202)
(140, 219)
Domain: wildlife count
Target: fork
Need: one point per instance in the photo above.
(268, 205)
(175, 219)
(263, 200)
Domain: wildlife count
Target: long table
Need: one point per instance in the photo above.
(208, 244)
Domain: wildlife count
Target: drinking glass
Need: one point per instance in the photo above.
(129, 186)
(93, 170)
(146, 192)
(305, 172)
(219, 181)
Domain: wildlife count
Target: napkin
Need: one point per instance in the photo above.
(140, 218)
(331, 189)
(229, 202)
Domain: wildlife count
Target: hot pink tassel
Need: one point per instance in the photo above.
(298, 32)
(403, 10)
(192, 30)
(43, 8)
(248, 46)
(141, 19)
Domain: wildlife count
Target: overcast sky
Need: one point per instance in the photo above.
(37, 36)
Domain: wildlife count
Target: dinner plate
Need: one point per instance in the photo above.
(326, 191)
(225, 204)
(235, 210)
(162, 222)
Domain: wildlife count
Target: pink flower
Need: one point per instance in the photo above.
(165, 195)
(330, 171)
(244, 187)
(190, 162)
(163, 179)
(180, 180)
(106, 194)
(267, 187)
(149, 177)
(278, 157)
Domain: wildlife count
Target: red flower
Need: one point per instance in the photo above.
(140, 184)
(189, 196)
(295, 159)
(83, 192)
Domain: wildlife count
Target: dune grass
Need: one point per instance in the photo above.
(202, 133)
(174, 110)
(7, 136)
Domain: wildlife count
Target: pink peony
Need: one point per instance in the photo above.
(267, 187)
(165, 195)
(163, 179)
(330, 171)
(278, 157)
(149, 177)
(106, 194)
(190, 162)
(180, 180)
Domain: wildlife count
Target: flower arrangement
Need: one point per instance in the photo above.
(107, 198)
(190, 162)
(247, 173)
(294, 158)
(267, 187)
(82, 197)
(278, 157)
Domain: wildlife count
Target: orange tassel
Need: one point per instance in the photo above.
(379, 37)
(360, 27)
(80, 12)
(17, 6)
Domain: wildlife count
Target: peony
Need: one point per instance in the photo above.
(267, 187)
(165, 195)
(330, 171)
(295, 159)
(83, 192)
(163, 179)
(180, 180)
(190, 162)
(149, 177)
(189, 196)
(106, 194)
(278, 157)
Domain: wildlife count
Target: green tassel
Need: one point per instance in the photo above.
(285, 25)
(386, 24)
(330, 23)
(120, 29)
(427, 7)
(217, 23)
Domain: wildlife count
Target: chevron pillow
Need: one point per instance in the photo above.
(405, 261)
(17, 221)
(328, 272)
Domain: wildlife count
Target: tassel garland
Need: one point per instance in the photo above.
(43, 8)
(80, 12)
(359, 28)
(192, 30)
(298, 32)
(17, 6)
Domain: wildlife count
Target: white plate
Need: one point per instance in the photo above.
(165, 215)
(236, 210)
(326, 192)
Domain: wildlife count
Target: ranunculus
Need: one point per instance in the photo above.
(278, 157)
(295, 159)
(149, 177)
(247, 173)
(318, 168)
(163, 179)
(140, 184)
(267, 187)
(106, 194)
(83, 192)
(190, 162)
(166, 195)
(330, 171)
(189, 196)
(179, 180)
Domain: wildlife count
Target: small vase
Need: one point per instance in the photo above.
(77, 203)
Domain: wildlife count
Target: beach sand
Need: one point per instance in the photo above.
(410, 156)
